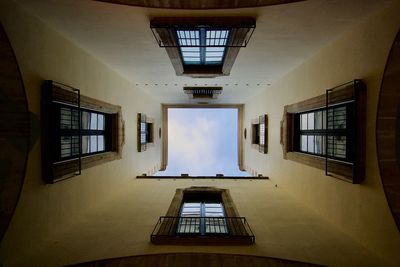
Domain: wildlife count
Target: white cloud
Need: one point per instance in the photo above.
(192, 145)
(202, 142)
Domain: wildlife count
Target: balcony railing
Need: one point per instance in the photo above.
(202, 231)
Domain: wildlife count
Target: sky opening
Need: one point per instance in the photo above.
(202, 141)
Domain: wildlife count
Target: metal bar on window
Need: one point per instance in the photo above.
(342, 154)
(80, 131)
(73, 104)
(214, 41)
(326, 130)
(187, 229)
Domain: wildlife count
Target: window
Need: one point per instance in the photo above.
(80, 132)
(94, 135)
(328, 132)
(202, 47)
(145, 132)
(311, 132)
(259, 134)
(202, 216)
(202, 92)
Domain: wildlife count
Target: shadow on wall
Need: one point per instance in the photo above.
(195, 259)
(388, 130)
(14, 132)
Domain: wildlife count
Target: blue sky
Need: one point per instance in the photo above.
(202, 142)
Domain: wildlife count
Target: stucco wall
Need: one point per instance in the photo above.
(359, 210)
(43, 54)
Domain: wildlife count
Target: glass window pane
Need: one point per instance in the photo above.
(310, 143)
(65, 146)
(143, 126)
(214, 59)
(330, 118)
(216, 225)
(93, 143)
(303, 121)
(318, 120)
(65, 118)
(339, 120)
(100, 143)
(214, 54)
(69, 146)
(85, 144)
(190, 49)
(100, 122)
(190, 54)
(319, 144)
(75, 146)
(189, 225)
(85, 120)
(215, 49)
(330, 145)
(262, 133)
(310, 125)
(75, 119)
(340, 147)
(303, 143)
(93, 121)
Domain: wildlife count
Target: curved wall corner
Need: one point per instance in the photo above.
(195, 259)
(199, 4)
(14, 132)
(388, 130)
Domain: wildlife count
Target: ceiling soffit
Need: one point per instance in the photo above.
(200, 4)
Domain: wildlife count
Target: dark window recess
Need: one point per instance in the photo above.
(145, 132)
(315, 131)
(260, 134)
(255, 134)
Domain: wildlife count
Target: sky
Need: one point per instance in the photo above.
(202, 141)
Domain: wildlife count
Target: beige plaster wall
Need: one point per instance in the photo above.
(359, 210)
(44, 209)
(121, 226)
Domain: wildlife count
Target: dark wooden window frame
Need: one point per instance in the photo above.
(351, 172)
(255, 133)
(205, 193)
(54, 170)
(165, 29)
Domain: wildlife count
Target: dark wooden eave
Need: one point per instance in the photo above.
(200, 4)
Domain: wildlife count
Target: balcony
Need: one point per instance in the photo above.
(202, 231)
